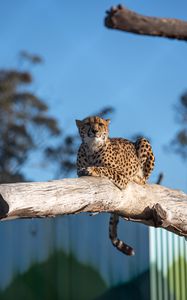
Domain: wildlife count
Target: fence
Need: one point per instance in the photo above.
(168, 265)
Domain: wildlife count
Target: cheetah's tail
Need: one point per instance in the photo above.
(120, 245)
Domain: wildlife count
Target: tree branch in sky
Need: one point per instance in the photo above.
(124, 19)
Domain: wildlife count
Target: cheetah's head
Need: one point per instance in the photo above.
(93, 130)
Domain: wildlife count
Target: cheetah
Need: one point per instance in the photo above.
(117, 159)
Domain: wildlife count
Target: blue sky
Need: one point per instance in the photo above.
(88, 66)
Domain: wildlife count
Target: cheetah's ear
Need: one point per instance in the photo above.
(78, 123)
(108, 121)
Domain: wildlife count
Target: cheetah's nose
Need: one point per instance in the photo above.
(94, 131)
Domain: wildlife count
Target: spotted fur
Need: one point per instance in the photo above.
(118, 159)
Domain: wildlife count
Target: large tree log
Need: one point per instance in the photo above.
(151, 204)
(124, 19)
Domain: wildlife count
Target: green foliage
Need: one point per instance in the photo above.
(137, 288)
(171, 283)
(60, 277)
(176, 277)
(63, 277)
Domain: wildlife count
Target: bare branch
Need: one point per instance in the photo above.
(160, 178)
(124, 19)
(150, 204)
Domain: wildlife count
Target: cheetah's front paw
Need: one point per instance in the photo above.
(89, 171)
(82, 172)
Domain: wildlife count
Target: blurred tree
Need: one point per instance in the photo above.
(23, 118)
(26, 127)
(179, 143)
(32, 58)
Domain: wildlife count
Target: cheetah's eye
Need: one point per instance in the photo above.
(101, 124)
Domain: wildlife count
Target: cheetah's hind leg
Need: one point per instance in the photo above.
(145, 154)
